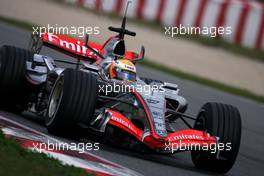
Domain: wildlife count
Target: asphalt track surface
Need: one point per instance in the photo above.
(250, 159)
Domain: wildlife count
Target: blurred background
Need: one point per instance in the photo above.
(229, 63)
(233, 59)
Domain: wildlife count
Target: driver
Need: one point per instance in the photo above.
(122, 69)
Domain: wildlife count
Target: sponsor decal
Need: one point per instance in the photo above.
(129, 67)
(184, 137)
(123, 122)
(76, 47)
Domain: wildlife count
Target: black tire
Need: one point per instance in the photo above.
(223, 121)
(149, 80)
(76, 95)
(13, 83)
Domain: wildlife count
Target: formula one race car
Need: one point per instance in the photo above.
(104, 95)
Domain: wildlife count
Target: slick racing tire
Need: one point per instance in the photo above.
(222, 121)
(13, 83)
(72, 101)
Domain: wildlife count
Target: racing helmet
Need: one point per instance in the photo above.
(122, 69)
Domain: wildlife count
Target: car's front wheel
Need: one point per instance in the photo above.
(72, 100)
(224, 122)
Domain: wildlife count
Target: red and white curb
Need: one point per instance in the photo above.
(245, 17)
(29, 138)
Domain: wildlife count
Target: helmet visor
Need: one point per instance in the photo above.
(126, 76)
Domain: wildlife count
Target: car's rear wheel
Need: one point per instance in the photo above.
(72, 100)
(13, 83)
(223, 121)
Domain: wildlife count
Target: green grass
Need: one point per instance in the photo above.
(168, 70)
(15, 160)
(18, 23)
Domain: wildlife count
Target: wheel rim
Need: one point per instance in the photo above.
(55, 100)
(200, 123)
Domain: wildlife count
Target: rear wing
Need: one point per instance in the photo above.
(76, 48)
(69, 46)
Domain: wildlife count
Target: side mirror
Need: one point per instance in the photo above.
(142, 53)
(141, 56)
